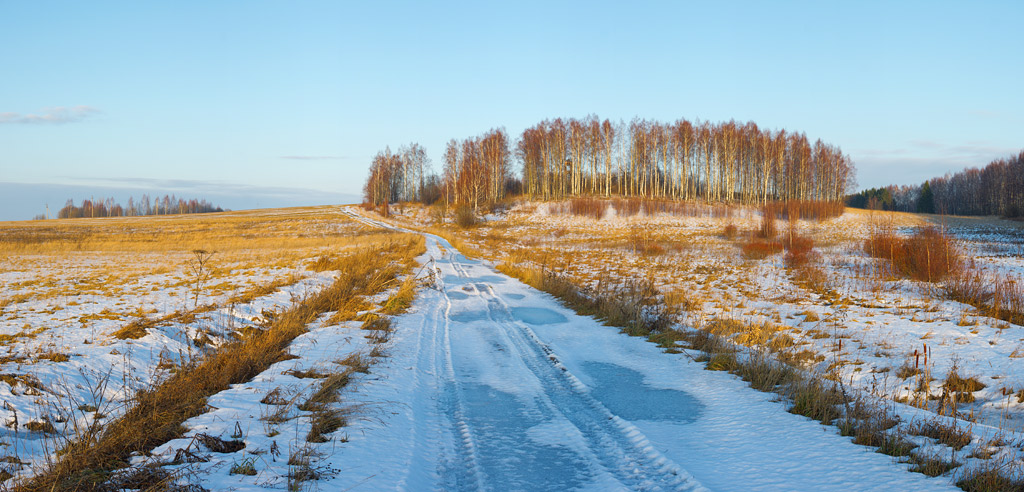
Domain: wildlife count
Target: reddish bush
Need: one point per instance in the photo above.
(730, 232)
(810, 210)
(999, 297)
(632, 206)
(800, 251)
(927, 256)
(768, 228)
(759, 249)
(641, 242)
(588, 207)
(625, 207)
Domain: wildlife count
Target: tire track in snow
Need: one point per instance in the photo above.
(432, 431)
(618, 445)
(444, 450)
(617, 454)
(452, 404)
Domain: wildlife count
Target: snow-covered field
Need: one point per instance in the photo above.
(488, 384)
(848, 325)
(882, 322)
(83, 326)
(493, 385)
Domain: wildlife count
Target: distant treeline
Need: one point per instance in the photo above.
(168, 205)
(996, 189)
(727, 162)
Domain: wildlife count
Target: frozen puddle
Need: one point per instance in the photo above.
(467, 316)
(518, 453)
(537, 316)
(624, 393)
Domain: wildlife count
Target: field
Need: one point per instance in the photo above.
(835, 312)
(95, 313)
(304, 348)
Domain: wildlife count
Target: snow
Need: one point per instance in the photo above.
(867, 328)
(496, 386)
(71, 303)
(489, 384)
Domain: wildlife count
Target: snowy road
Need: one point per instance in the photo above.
(491, 385)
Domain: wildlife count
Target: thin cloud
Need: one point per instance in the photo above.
(203, 187)
(921, 160)
(973, 153)
(57, 115)
(313, 157)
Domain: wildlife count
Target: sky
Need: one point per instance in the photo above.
(259, 104)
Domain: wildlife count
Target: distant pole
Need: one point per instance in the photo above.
(47, 211)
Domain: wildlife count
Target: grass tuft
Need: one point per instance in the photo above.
(946, 434)
(990, 478)
(963, 388)
(218, 445)
(245, 467)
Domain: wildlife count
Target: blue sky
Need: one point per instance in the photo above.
(249, 103)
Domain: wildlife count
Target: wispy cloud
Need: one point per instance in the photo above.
(314, 157)
(202, 187)
(57, 115)
(971, 153)
(21, 201)
(919, 160)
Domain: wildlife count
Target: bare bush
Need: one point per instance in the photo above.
(929, 255)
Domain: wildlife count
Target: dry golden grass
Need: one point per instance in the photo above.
(290, 229)
(58, 264)
(264, 289)
(156, 414)
(401, 300)
(139, 328)
(708, 279)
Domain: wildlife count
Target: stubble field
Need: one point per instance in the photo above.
(95, 312)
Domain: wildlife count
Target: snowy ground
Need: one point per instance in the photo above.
(488, 384)
(62, 363)
(881, 322)
(493, 385)
(851, 325)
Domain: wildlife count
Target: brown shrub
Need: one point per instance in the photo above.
(632, 206)
(625, 207)
(588, 207)
(642, 242)
(800, 251)
(759, 249)
(998, 297)
(465, 217)
(768, 229)
(928, 256)
(808, 209)
(730, 232)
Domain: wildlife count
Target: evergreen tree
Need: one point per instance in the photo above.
(926, 201)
